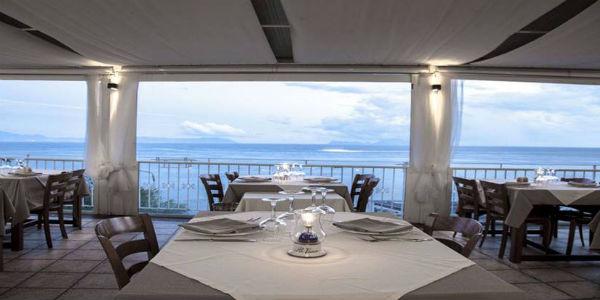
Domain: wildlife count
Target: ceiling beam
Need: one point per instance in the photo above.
(276, 27)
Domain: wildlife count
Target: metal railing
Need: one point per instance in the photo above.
(62, 164)
(173, 187)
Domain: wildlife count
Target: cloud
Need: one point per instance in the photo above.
(211, 129)
(328, 87)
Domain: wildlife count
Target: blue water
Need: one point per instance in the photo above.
(342, 154)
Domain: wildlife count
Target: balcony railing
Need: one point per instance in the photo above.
(171, 187)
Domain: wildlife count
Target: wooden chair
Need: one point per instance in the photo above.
(214, 193)
(231, 176)
(470, 204)
(365, 193)
(357, 184)
(575, 216)
(498, 206)
(55, 189)
(73, 197)
(108, 228)
(469, 229)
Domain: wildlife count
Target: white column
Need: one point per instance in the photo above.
(434, 118)
(111, 144)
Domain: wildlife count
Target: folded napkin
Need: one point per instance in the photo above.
(373, 226)
(219, 226)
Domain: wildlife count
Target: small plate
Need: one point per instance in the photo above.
(515, 183)
(583, 185)
(320, 179)
(254, 178)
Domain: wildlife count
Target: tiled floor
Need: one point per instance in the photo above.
(77, 268)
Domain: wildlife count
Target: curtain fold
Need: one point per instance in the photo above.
(111, 144)
(435, 130)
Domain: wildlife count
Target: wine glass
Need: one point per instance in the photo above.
(272, 223)
(327, 210)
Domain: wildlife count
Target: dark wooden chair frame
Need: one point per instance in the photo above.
(469, 229)
(108, 228)
(56, 188)
(366, 191)
(470, 204)
(214, 193)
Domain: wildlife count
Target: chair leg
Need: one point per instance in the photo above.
(546, 234)
(488, 221)
(493, 228)
(505, 229)
(581, 235)
(571, 238)
(46, 220)
(77, 209)
(61, 223)
(555, 227)
(39, 221)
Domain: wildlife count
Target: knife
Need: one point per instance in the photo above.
(216, 240)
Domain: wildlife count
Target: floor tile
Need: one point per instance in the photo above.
(89, 294)
(490, 264)
(104, 268)
(51, 280)
(32, 294)
(72, 266)
(64, 244)
(542, 291)
(98, 281)
(81, 254)
(513, 276)
(578, 289)
(10, 279)
(589, 273)
(27, 265)
(551, 275)
(82, 236)
(45, 254)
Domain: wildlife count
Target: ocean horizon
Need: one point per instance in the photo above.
(318, 153)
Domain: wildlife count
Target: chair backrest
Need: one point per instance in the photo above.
(469, 229)
(496, 198)
(71, 190)
(231, 176)
(365, 193)
(576, 179)
(55, 189)
(214, 189)
(108, 228)
(468, 193)
(357, 184)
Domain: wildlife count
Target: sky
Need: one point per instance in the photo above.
(494, 113)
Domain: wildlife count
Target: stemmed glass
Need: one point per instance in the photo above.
(273, 222)
(327, 210)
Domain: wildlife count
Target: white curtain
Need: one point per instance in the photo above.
(435, 128)
(111, 144)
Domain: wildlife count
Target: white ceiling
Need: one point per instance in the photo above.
(349, 32)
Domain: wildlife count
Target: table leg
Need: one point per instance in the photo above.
(516, 243)
(16, 237)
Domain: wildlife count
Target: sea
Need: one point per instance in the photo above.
(549, 157)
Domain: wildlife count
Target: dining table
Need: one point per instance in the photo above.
(253, 201)
(236, 189)
(524, 198)
(18, 194)
(352, 269)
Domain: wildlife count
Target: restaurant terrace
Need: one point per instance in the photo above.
(113, 225)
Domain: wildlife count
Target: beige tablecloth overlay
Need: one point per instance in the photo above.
(522, 200)
(19, 194)
(236, 190)
(352, 269)
(251, 201)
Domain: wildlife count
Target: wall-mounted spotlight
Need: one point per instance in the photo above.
(436, 88)
(112, 86)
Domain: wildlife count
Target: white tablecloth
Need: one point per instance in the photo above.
(19, 194)
(352, 269)
(523, 199)
(252, 202)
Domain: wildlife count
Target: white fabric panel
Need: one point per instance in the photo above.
(111, 144)
(435, 127)
(575, 45)
(21, 49)
(150, 32)
(404, 31)
(123, 179)
(96, 155)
